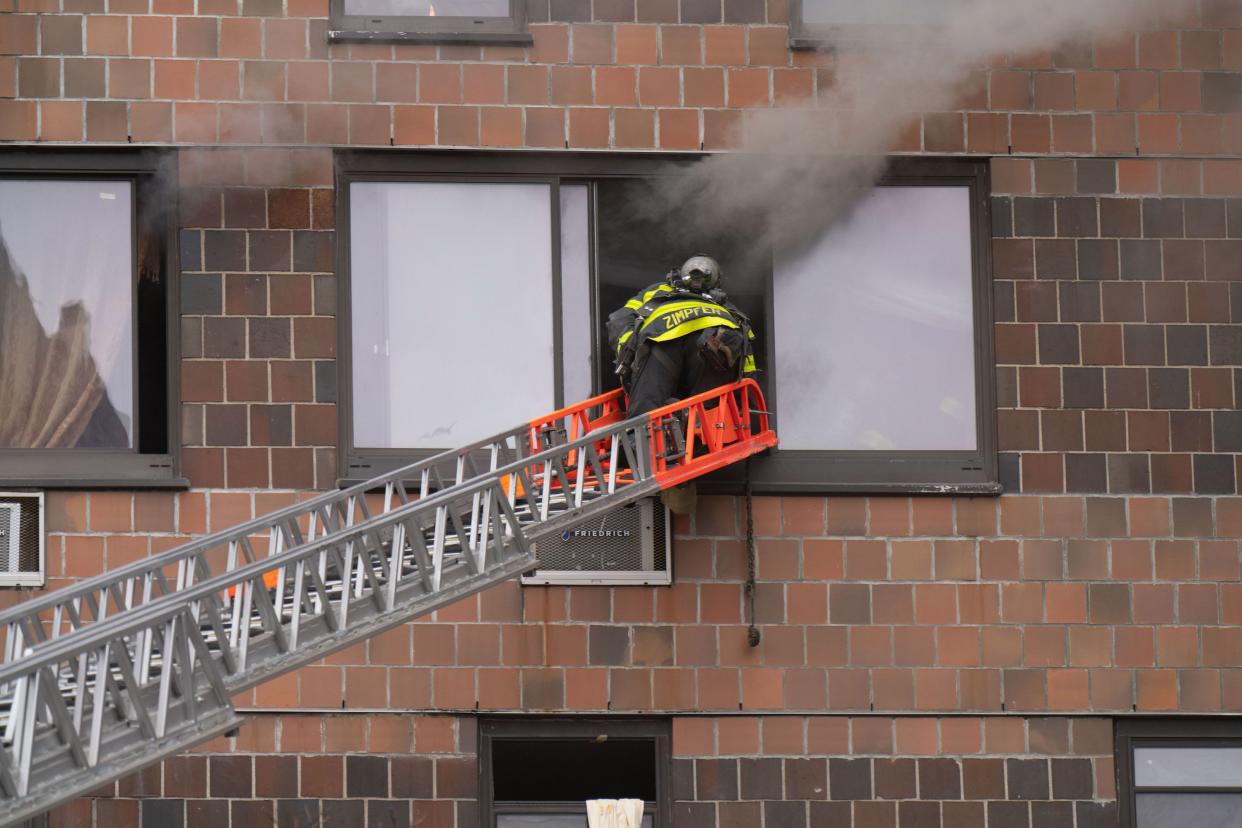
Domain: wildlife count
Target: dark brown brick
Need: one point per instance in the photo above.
(1140, 260)
(226, 425)
(1077, 217)
(1058, 344)
(1056, 259)
(412, 777)
(244, 208)
(1169, 387)
(1009, 814)
(1098, 259)
(1214, 474)
(1080, 301)
(895, 778)
(1144, 344)
(224, 336)
(1205, 218)
(297, 813)
(1128, 473)
(716, 779)
(1051, 814)
(224, 250)
(1163, 218)
(940, 779)
(1097, 175)
(1121, 217)
(231, 776)
(1036, 301)
(1222, 92)
(269, 338)
(919, 814)
(760, 778)
(1028, 778)
(1184, 259)
(1086, 473)
(849, 778)
(1034, 217)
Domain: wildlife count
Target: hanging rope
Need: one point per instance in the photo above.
(752, 633)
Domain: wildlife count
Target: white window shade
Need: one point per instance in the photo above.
(873, 328)
(451, 310)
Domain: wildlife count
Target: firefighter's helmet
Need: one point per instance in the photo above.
(699, 273)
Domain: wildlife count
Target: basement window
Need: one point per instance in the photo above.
(1174, 773)
(540, 773)
(439, 21)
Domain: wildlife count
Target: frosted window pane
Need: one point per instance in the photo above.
(1171, 810)
(575, 292)
(429, 8)
(66, 314)
(871, 12)
(874, 328)
(1188, 767)
(451, 310)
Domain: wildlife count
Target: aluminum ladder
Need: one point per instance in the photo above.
(119, 671)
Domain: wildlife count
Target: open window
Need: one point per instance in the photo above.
(87, 315)
(539, 773)
(1180, 772)
(477, 284)
(441, 21)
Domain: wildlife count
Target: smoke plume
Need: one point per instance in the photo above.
(806, 162)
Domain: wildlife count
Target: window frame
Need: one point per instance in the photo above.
(825, 38)
(152, 175)
(780, 472)
(1130, 733)
(658, 730)
(365, 28)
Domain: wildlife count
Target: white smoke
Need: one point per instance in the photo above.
(804, 163)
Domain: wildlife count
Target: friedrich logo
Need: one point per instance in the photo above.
(578, 534)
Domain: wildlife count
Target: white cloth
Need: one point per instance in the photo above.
(614, 813)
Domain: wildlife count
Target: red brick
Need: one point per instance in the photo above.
(724, 45)
(678, 129)
(637, 44)
(107, 34)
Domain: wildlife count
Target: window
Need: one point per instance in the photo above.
(87, 314)
(815, 22)
(443, 21)
(479, 283)
(1174, 773)
(541, 772)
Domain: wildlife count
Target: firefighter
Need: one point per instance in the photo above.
(680, 337)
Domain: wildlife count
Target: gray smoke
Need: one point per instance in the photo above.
(805, 163)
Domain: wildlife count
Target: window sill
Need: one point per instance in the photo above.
(461, 38)
(170, 483)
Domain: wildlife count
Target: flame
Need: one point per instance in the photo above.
(431, 9)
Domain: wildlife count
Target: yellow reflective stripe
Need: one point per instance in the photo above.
(750, 334)
(638, 302)
(708, 308)
(624, 337)
(748, 365)
(690, 327)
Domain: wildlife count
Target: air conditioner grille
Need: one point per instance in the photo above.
(21, 538)
(626, 545)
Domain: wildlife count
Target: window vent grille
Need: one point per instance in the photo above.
(628, 546)
(21, 539)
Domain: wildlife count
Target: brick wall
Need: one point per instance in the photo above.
(925, 660)
(1119, 324)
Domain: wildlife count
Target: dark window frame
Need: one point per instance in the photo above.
(656, 730)
(509, 30)
(823, 38)
(152, 173)
(1130, 733)
(790, 472)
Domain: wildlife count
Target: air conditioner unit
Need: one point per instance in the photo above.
(631, 546)
(21, 539)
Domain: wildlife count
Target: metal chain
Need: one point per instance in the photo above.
(752, 632)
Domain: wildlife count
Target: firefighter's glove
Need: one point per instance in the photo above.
(716, 352)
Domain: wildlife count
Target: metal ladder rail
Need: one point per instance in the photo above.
(190, 692)
(74, 607)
